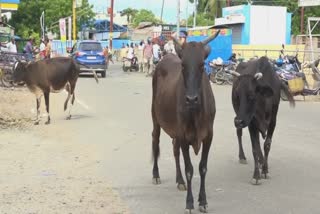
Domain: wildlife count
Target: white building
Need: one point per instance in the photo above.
(257, 25)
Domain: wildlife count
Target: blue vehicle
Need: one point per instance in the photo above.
(89, 54)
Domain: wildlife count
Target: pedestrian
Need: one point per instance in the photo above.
(147, 56)
(169, 47)
(12, 47)
(140, 55)
(130, 53)
(48, 48)
(28, 49)
(156, 53)
(42, 50)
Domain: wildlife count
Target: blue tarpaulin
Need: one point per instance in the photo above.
(220, 47)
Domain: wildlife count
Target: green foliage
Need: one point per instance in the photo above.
(130, 13)
(144, 16)
(202, 19)
(26, 19)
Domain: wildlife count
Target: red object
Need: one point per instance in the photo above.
(109, 10)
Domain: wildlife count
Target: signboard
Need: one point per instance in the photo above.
(63, 33)
(307, 3)
(209, 32)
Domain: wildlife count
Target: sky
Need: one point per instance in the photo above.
(169, 11)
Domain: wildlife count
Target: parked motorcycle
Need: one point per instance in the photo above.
(297, 85)
(130, 64)
(220, 71)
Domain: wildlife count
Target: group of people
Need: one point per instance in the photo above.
(44, 49)
(149, 53)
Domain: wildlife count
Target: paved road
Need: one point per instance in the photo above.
(115, 117)
(120, 106)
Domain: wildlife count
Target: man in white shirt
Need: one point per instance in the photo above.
(12, 46)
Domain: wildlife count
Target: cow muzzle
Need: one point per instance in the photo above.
(192, 100)
(238, 123)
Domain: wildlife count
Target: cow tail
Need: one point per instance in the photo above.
(95, 76)
(285, 89)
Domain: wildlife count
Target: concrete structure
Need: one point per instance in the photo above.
(257, 25)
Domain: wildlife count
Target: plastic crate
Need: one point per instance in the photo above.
(296, 85)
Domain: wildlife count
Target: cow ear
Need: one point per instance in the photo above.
(178, 48)
(265, 91)
(207, 50)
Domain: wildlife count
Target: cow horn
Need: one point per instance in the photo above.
(209, 39)
(235, 73)
(258, 76)
(15, 65)
(176, 41)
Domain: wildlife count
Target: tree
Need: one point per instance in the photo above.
(130, 13)
(26, 19)
(144, 16)
(202, 19)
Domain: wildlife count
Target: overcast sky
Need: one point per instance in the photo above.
(169, 12)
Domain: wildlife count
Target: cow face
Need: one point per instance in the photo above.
(193, 57)
(19, 71)
(245, 93)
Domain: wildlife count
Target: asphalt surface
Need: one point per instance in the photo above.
(115, 116)
(122, 125)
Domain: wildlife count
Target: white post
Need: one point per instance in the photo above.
(310, 38)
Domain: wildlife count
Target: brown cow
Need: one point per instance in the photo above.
(183, 106)
(50, 75)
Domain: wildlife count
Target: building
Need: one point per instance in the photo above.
(257, 25)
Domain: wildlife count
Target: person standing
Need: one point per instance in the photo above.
(147, 56)
(156, 52)
(12, 47)
(42, 50)
(29, 49)
(48, 48)
(140, 55)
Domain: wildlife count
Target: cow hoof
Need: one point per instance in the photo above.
(68, 118)
(156, 181)
(188, 211)
(47, 123)
(243, 161)
(182, 187)
(266, 175)
(36, 123)
(255, 181)
(203, 208)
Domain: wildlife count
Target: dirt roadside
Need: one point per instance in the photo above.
(38, 175)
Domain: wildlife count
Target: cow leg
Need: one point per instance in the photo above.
(179, 178)
(72, 87)
(203, 204)
(69, 95)
(242, 157)
(38, 99)
(156, 153)
(46, 99)
(254, 135)
(267, 144)
(189, 174)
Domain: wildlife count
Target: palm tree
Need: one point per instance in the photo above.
(130, 13)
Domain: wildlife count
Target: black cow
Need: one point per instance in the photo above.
(50, 75)
(183, 106)
(255, 99)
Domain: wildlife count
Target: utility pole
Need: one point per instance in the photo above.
(195, 13)
(302, 20)
(74, 18)
(178, 18)
(111, 26)
(162, 11)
